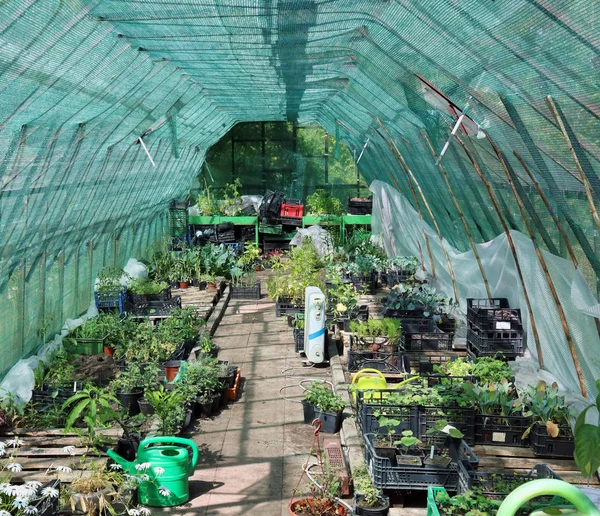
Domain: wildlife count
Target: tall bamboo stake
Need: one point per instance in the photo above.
(408, 171)
(542, 261)
(549, 208)
(513, 249)
(418, 205)
(584, 179)
(461, 215)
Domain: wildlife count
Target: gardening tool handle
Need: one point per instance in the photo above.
(547, 486)
(368, 370)
(172, 440)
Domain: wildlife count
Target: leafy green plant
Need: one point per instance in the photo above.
(94, 406)
(491, 369)
(169, 407)
(468, 504)
(206, 202)
(109, 280)
(369, 331)
(324, 398)
(388, 425)
(418, 297)
(320, 202)
(343, 298)
(495, 398)
(129, 380)
(408, 440)
(544, 405)
(587, 440)
(443, 427)
(364, 485)
(145, 286)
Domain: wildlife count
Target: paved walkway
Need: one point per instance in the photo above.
(252, 452)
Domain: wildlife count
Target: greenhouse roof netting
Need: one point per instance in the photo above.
(107, 110)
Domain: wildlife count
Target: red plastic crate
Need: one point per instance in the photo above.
(292, 211)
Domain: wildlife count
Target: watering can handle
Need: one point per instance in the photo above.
(170, 440)
(548, 486)
(368, 370)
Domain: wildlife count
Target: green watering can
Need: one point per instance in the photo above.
(371, 383)
(169, 486)
(582, 505)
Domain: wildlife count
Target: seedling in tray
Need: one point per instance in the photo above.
(410, 452)
(436, 457)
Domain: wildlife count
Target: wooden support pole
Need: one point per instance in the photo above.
(513, 249)
(412, 177)
(542, 261)
(554, 216)
(461, 215)
(584, 179)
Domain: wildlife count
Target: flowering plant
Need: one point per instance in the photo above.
(22, 499)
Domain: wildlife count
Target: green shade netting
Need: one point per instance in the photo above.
(82, 81)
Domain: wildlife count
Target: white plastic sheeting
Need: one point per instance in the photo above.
(403, 234)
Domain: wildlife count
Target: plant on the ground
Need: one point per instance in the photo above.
(129, 380)
(587, 440)
(322, 397)
(323, 494)
(545, 406)
(94, 406)
(169, 407)
(371, 496)
(145, 286)
(320, 202)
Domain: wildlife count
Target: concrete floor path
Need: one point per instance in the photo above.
(251, 453)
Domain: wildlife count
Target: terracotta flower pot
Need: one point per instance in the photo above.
(183, 284)
(171, 369)
(212, 285)
(109, 350)
(331, 509)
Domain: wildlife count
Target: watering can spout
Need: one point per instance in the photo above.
(125, 464)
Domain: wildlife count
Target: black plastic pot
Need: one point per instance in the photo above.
(224, 395)
(216, 400)
(129, 401)
(204, 408)
(127, 448)
(189, 418)
(309, 412)
(331, 422)
(145, 407)
(382, 510)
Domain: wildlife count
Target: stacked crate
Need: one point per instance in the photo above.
(493, 327)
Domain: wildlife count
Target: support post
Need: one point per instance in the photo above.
(513, 249)
(460, 214)
(542, 261)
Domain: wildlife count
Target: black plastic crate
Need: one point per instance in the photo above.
(494, 484)
(298, 340)
(157, 308)
(384, 361)
(494, 319)
(271, 229)
(411, 325)
(246, 292)
(492, 302)
(418, 419)
(290, 221)
(424, 364)
(360, 206)
(508, 343)
(501, 430)
(462, 418)
(140, 299)
(49, 395)
(111, 300)
(447, 325)
(286, 307)
(364, 283)
(542, 445)
(387, 476)
(428, 341)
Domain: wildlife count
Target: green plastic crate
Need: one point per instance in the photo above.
(90, 346)
(432, 493)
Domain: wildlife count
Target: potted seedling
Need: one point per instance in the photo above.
(127, 387)
(438, 457)
(368, 500)
(550, 429)
(410, 452)
(384, 446)
(169, 406)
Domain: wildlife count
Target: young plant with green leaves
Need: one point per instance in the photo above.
(370, 496)
(320, 202)
(495, 398)
(545, 406)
